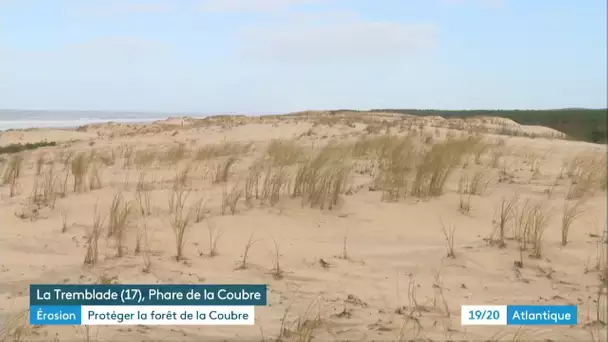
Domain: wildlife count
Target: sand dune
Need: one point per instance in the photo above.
(401, 250)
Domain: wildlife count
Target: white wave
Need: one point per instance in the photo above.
(23, 124)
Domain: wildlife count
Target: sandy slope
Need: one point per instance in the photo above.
(391, 246)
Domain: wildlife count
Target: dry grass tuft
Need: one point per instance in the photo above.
(180, 219)
(40, 161)
(321, 180)
(12, 172)
(199, 209)
(588, 174)
(504, 214)
(265, 181)
(243, 264)
(284, 152)
(182, 177)
(127, 154)
(175, 154)
(120, 212)
(480, 151)
(63, 183)
(144, 158)
(214, 237)
(79, 168)
(572, 210)
(304, 328)
(92, 255)
(436, 164)
(15, 327)
(95, 176)
(107, 158)
(497, 153)
(231, 198)
(143, 246)
(449, 235)
(396, 159)
(377, 146)
(222, 170)
(252, 182)
(45, 193)
(143, 195)
(120, 215)
(536, 220)
(475, 184)
(65, 158)
(223, 149)
(345, 255)
(276, 271)
(464, 204)
(64, 220)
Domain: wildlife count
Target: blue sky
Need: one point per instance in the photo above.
(272, 56)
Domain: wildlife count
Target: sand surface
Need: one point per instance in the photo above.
(366, 269)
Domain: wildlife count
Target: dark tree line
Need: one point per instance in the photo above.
(577, 123)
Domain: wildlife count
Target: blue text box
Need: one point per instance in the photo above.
(55, 315)
(145, 294)
(542, 315)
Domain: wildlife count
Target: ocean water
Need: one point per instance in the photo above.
(20, 119)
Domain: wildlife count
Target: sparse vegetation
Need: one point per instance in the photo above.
(571, 212)
(143, 195)
(92, 255)
(231, 186)
(243, 263)
(581, 124)
(175, 153)
(180, 220)
(64, 220)
(222, 170)
(15, 327)
(475, 184)
(345, 247)
(17, 148)
(321, 180)
(231, 199)
(80, 166)
(449, 233)
(95, 176)
(40, 160)
(120, 215)
(396, 160)
(435, 167)
(276, 271)
(538, 220)
(12, 172)
(215, 234)
(223, 149)
(143, 240)
(284, 152)
(588, 175)
(464, 205)
(503, 216)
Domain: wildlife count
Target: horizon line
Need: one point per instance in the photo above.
(288, 112)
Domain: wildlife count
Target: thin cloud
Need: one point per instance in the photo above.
(104, 48)
(493, 3)
(119, 46)
(158, 7)
(483, 3)
(339, 40)
(118, 8)
(252, 5)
